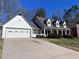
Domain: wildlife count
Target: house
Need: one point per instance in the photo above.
(74, 25)
(21, 27)
(48, 27)
(17, 27)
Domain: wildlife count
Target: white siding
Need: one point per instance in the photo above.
(17, 22)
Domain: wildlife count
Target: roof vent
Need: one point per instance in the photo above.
(19, 13)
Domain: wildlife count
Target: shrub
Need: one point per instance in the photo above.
(54, 36)
(40, 36)
(67, 36)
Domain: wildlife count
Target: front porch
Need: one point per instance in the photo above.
(56, 31)
(53, 31)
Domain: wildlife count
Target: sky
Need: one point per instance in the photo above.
(55, 7)
(52, 7)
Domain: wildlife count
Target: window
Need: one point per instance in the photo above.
(64, 32)
(48, 22)
(55, 32)
(42, 31)
(64, 24)
(21, 31)
(16, 31)
(19, 19)
(9, 31)
(27, 31)
(60, 32)
(67, 31)
(57, 24)
(34, 31)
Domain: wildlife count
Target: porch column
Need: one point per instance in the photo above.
(69, 32)
(39, 32)
(51, 31)
(65, 32)
(44, 33)
(62, 32)
(47, 32)
(57, 32)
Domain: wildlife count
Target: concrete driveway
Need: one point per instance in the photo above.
(35, 49)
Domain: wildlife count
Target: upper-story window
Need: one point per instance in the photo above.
(16, 31)
(64, 24)
(48, 22)
(9, 31)
(57, 24)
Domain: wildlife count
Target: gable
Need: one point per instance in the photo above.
(64, 24)
(57, 24)
(17, 22)
(48, 22)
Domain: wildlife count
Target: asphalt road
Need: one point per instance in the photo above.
(32, 48)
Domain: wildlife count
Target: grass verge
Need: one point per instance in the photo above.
(72, 43)
(1, 44)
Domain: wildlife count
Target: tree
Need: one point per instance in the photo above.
(0, 12)
(41, 12)
(70, 14)
(75, 8)
(9, 7)
(67, 14)
(56, 17)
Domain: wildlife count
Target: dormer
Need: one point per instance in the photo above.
(57, 23)
(64, 24)
(48, 22)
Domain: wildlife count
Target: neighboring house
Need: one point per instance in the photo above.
(77, 25)
(74, 27)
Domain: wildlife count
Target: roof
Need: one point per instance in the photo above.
(60, 28)
(28, 21)
(33, 25)
(54, 21)
(41, 20)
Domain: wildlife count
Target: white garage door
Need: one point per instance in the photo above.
(18, 33)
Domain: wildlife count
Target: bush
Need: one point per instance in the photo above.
(54, 36)
(40, 36)
(67, 36)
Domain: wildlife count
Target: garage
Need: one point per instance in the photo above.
(18, 33)
(18, 27)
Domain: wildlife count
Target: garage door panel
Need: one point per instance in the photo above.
(18, 33)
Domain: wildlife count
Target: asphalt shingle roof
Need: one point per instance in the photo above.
(41, 21)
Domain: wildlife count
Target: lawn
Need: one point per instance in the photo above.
(1, 44)
(72, 43)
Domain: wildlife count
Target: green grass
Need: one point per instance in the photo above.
(1, 44)
(68, 43)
